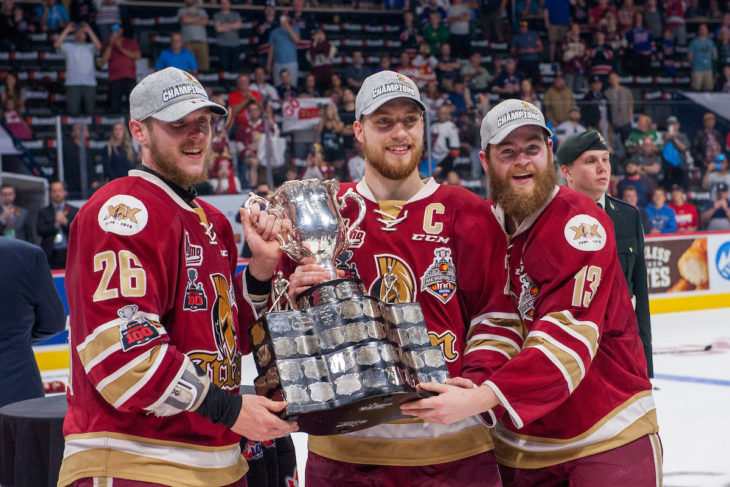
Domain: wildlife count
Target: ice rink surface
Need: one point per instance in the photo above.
(693, 398)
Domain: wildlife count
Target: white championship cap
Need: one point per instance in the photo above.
(508, 116)
(379, 88)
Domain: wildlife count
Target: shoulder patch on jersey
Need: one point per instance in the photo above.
(584, 232)
(440, 278)
(136, 330)
(123, 214)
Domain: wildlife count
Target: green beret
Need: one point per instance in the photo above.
(572, 147)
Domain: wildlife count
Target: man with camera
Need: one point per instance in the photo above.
(121, 54)
(716, 214)
(715, 174)
(80, 73)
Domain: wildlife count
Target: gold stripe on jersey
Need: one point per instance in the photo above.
(136, 458)
(584, 331)
(565, 359)
(117, 385)
(656, 447)
(391, 207)
(503, 321)
(403, 452)
(497, 343)
(629, 421)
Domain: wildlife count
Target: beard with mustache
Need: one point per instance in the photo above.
(519, 205)
(168, 166)
(375, 157)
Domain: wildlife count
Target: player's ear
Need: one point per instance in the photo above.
(138, 131)
(484, 159)
(357, 129)
(565, 169)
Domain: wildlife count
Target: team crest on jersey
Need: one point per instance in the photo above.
(195, 299)
(440, 278)
(123, 214)
(193, 253)
(136, 329)
(528, 294)
(223, 365)
(344, 263)
(395, 282)
(356, 236)
(584, 232)
(447, 342)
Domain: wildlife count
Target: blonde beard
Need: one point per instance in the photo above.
(167, 166)
(519, 205)
(375, 157)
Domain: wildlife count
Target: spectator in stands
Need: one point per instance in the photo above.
(286, 88)
(309, 89)
(321, 55)
(432, 98)
(227, 23)
(53, 225)
(723, 81)
(384, 63)
(667, 53)
(248, 140)
(707, 142)
(14, 220)
(264, 27)
(15, 123)
(356, 72)
(329, 135)
(447, 69)
(571, 126)
(426, 65)
(643, 130)
(475, 75)
(225, 182)
(716, 214)
(675, 19)
(649, 160)
(526, 46)
(661, 217)
(574, 59)
(591, 108)
(459, 99)
(6, 25)
(82, 11)
(317, 166)
(19, 29)
(630, 196)
(12, 87)
(346, 113)
(107, 16)
(716, 174)
(614, 37)
(301, 19)
(430, 6)
(72, 169)
(696, 10)
(685, 212)
(625, 15)
(335, 89)
(406, 68)
(119, 156)
(595, 15)
(356, 164)
(445, 141)
(269, 95)
(725, 24)
(177, 56)
(558, 101)
(459, 14)
(701, 53)
(723, 48)
(193, 23)
(640, 49)
(621, 103)
(654, 20)
(557, 22)
(80, 67)
(410, 36)
(239, 100)
(452, 179)
(283, 50)
(674, 155)
(52, 16)
(507, 83)
(634, 178)
(602, 57)
(435, 33)
(121, 55)
(527, 93)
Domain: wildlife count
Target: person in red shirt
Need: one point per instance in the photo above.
(121, 54)
(248, 137)
(239, 100)
(687, 218)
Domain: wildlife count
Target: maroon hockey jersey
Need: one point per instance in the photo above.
(149, 284)
(577, 382)
(440, 245)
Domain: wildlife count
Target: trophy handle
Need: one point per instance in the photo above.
(254, 198)
(351, 194)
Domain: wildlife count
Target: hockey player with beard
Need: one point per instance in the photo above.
(574, 402)
(433, 244)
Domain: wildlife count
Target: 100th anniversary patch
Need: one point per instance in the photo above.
(123, 214)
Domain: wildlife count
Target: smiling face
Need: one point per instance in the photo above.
(589, 174)
(392, 138)
(521, 172)
(177, 150)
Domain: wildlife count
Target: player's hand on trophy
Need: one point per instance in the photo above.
(308, 274)
(458, 399)
(260, 230)
(257, 420)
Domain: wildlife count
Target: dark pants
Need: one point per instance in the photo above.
(75, 94)
(119, 91)
(228, 56)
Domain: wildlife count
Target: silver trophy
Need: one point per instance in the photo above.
(313, 207)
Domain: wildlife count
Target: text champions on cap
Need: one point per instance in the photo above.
(395, 86)
(182, 90)
(516, 115)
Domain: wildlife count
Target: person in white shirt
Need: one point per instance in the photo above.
(570, 126)
(269, 95)
(445, 140)
(356, 164)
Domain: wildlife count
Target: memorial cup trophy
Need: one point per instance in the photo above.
(342, 359)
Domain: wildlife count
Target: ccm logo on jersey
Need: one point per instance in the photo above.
(584, 232)
(123, 215)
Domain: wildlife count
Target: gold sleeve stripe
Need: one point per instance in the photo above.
(149, 372)
(542, 337)
(656, 448)
(515, 327)
(124, 370)
(586, 332)
(115, 323)
(569, 360)
(98, 358)
(481, 348)
(116, 385)
(171, 386)
(490, 337)
(495, 317)
(504, 402)
(556, 361)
